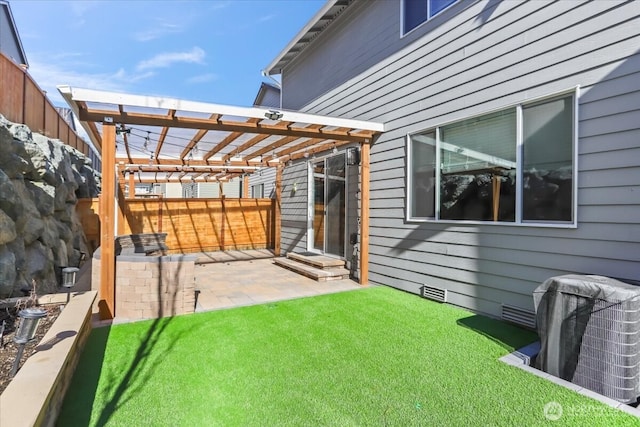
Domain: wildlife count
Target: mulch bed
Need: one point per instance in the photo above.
(9, 350)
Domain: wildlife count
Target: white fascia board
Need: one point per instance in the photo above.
(115, 98)
(328, 5)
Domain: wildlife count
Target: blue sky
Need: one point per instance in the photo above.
(210, 51)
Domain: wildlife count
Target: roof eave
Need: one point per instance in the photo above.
(275, 67)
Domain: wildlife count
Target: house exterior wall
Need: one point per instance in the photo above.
(268, 178)
(270, 97)
(293, 212)
(474, 58)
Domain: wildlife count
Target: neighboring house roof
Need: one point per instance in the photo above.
(314, 27)
(10, 43)
(268, 96)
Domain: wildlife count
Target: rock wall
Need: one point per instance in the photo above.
(40, 182)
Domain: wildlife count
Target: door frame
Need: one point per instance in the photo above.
(311, 205)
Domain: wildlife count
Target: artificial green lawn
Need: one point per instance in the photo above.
(375, 356)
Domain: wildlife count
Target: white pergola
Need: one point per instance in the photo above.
(158, 139)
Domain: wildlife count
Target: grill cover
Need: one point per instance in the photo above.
(589, 328)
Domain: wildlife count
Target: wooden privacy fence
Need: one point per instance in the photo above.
(22, 101)
(87, 210)
(192, 225)
(196, 225)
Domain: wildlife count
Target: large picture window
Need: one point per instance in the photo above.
(512, 166)
(415, 12)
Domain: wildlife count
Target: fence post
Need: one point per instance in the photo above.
(222, 223)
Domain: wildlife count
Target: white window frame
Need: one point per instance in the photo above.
(404, 32)
(575, 91)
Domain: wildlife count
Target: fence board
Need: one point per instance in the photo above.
(87, 210)
(197, 225)
(34, 102)
(22, 101)
(12, 90)
(51, 120)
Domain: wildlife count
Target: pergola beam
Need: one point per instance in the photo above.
(189, 163)
(106, 304)
(365, 176)
(142, 119)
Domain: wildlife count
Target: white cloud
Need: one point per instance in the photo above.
(220, 5)
(266, 18)
(202, 78)
(163, 60)
(79, 10)
(49, 75)
(160, 29)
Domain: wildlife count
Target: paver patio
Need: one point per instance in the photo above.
(239, 278)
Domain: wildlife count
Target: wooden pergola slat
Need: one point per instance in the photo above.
(197, 137)
(163, 134)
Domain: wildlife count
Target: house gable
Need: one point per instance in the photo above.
(10, 44)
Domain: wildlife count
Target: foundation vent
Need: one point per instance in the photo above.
(519, 316)
(435, 294)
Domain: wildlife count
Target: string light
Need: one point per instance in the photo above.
(145, 146)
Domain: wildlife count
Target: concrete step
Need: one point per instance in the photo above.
(317, 261)
(321, 275)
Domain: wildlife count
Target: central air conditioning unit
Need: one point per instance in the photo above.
(589, 328)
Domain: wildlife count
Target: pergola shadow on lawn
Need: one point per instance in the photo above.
(133, 375)
(377, 356)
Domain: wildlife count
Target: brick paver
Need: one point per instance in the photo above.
(228, 284)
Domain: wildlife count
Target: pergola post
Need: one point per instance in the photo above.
(132, 185)
(121, 201)
(277, 224)
(245, 187)
(106, 303)
(365, 175)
